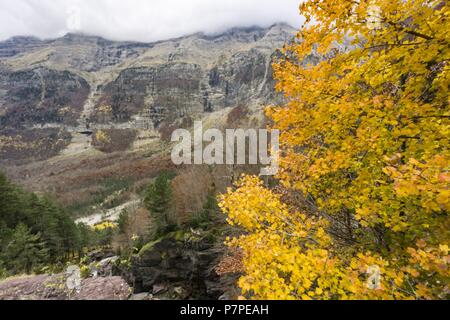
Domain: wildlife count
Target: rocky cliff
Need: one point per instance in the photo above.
(83, 83)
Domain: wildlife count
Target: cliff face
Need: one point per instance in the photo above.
(164, 92)
(41, 95)
(17, 45)
(78, 83)
(175, 90)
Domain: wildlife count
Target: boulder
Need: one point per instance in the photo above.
(54, 287)
(103, 288)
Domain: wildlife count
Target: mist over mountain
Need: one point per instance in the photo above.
(139, 20)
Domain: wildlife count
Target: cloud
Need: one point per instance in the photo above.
(140, 20)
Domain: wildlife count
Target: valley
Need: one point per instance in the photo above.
(87, 122)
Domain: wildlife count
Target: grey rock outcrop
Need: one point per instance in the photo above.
(40, 95)
(176, 268)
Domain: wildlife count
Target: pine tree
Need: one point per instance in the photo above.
(11, 204)
(47, 224)
(25, 251)
(158, 200)
(85, 238)
(43, 218)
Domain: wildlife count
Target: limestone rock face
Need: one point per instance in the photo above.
(39, 95)
(177, 89)
(168, 91)
(78, 84)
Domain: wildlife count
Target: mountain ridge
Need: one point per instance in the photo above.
(22, 38)
(100, 62)
(70, 105)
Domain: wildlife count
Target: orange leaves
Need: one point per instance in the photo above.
(231, 263)
(431, 259)
(425, 179)
(429, 266)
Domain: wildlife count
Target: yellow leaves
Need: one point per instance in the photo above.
(365, 140)
(105, 109)
(398, 281)
(423, 292)
(444, 249)
(413, 272)
(105, 225)
(276, 267)
(393, 160)
(245, 286)
(405, 188)
(443, 198)
(391, 171)
(361, 213)
(305, 297)
(102, 137)
(444, 177)
(253, 207)
(430, 259)
(321, 235)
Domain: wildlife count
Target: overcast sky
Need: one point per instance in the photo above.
(139, 20)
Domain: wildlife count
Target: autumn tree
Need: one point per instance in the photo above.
(158, 201)
(362, 207)
(26, 217)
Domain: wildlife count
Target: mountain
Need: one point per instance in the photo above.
(80, 113)
(54, 90)
(87, 122)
